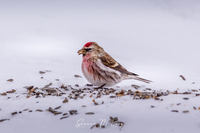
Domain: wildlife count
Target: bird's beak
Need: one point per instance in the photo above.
(82, 51)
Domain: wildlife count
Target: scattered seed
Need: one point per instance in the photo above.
(4, 94)
(174, 111)
(39, 110)
(73, 112)
(57, 107)
(20, 112)
(89, 113)
(65, 114)
(64, 117)
(97, 125)
(57, 113)
(76, 85)
(157, 98)
(103, 126)
(65, 101)
(178, 103)
(77, 76)
(185, 98)
(4, 120)
(95, 103)
(182, 77)
(25, 110)
(30, 111)
(112, 96)
(197, 94)
(42, 72)
(83, 105)
(12, 91)
(186, 111)
(194, 108)
(152, 106)
(14, 113)
(10, 80)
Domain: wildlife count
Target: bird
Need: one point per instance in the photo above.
(101, 70)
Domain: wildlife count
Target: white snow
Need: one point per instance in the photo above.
(159, 40)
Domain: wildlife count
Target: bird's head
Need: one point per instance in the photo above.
(92, 49)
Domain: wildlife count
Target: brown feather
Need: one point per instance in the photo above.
(108, 61)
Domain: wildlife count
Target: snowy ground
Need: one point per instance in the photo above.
(159, 40)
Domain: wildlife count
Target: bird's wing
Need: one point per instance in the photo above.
(108, 61)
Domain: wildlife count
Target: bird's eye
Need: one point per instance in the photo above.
(88, 49)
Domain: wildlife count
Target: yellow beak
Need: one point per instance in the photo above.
(82, 51)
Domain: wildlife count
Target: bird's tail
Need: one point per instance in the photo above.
(139, 79)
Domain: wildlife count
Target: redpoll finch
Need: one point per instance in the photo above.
(100, 69)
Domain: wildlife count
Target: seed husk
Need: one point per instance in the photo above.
(42, 72)
(4, 120)
(64, 117)
(186, 111)
(89, 113)
(10, 80)
(65, 114)
(39, 110)
(185, 98)
(12, 91)
(175, 111)
(77, 76)
(57, 107)
(14, 113)
(65, 101)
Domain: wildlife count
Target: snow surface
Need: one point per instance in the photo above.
(159, 40)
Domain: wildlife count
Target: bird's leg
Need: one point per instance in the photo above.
(100, 87)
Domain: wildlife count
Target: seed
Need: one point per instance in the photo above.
(197, 94)
(65, 101)
(185, 111)
(97, 125)
(103, 126)
(10, 80)
(185, 98)
(65, 114)
(83, 105)
(64, 117)
(41, 72)
(12, 91)
(157, 98)
(112, 96)
(39, 110)
(4, 120)
(95, 103)
(175, 111)
(57, 113)
(4, 94)
(57, 107)
(178, 103)
(76, 85)
(89, 113)
(77, 76)
(152, 106)
(194, 108)
(14, 113)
